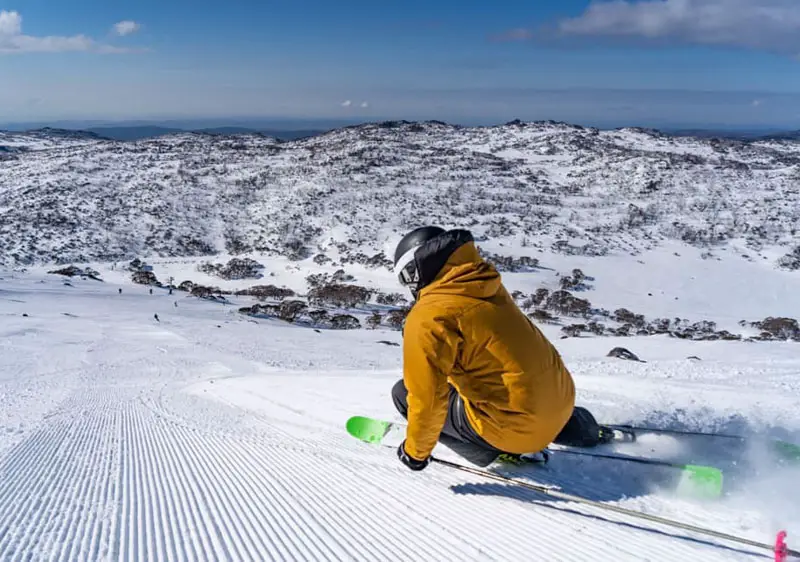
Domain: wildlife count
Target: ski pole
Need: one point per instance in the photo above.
(787, 450)
(653, 462)
(678, 432)
(630, 512)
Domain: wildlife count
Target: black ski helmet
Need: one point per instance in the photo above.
(406, 267)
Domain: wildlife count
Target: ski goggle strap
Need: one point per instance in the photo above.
(406, 269)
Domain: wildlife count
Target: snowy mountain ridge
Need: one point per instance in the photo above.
(523, 186)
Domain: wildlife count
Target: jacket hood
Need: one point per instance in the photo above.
(465, 273)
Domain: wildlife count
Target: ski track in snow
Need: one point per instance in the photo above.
(165, 446)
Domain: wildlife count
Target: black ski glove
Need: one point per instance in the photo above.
(410, 462)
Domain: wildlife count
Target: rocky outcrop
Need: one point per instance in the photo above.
(622, 353)
(345, 322)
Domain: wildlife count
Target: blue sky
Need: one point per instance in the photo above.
(679, 63)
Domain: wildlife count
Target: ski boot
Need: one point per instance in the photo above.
(540, 457)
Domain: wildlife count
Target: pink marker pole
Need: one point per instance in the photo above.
(781, 550)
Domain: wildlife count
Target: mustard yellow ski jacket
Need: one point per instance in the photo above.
(466, 330)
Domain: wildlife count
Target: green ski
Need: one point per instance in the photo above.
(696, 480)
(370, 430)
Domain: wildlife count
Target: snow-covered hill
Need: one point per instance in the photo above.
(573, 190)
(677, 219)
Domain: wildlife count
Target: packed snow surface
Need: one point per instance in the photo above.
(209, 435)
(144, 425)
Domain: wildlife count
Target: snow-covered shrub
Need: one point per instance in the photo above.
(338, 295)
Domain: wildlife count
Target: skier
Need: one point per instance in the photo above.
(477, 374)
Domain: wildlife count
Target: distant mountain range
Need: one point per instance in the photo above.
(743, 135)
(281, 128)
(285, 129)
(129, 133)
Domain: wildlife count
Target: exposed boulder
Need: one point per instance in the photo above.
(622, 353)
(345, 322)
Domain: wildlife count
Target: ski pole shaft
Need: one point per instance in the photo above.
(784, 448)
(607, 507)
(655, 462)
(679, 432)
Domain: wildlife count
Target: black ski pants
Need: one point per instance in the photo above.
(457, 434)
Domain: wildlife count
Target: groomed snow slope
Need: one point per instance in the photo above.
(211, 436)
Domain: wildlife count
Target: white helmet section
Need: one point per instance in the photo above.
(408, 276)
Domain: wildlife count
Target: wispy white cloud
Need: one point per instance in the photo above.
(10, 23)
(351, 103)
(126, 27)
(772, 25)
(13, 40)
